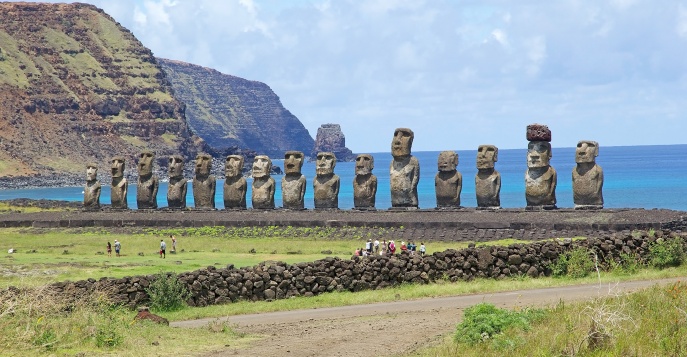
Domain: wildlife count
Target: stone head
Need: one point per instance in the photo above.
(448, 161)
(262, 166)
(203, 164)
(538, 154)
(586, 151)
(118, 166)
(293, 162)
(176, 166)
(145, 163)
(91, 171)
(487, 156)
(364, 164)
(326, 161)
(233, 167)
(402, 143)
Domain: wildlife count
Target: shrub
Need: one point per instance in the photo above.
(167, 293)
(484, 321)
(576, 263)
(666, 252)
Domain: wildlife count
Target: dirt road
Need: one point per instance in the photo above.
(386, 329)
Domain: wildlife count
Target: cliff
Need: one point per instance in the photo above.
(330, 138)
(75, 86)
(230, 111)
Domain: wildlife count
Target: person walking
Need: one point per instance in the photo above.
(118, 247)
(109, 249)
(422, 249)
(376, 246)
(163, 249)
(174, 243)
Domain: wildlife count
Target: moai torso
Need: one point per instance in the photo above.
(91, 193)
(448, 182)
(235, 185)
(263, 187)
(326, 183)
(176, 190)
(118, 189)
(204, 183)
(147, 185)
(540, 178)
(487, 179)
(364, 183)
(587, 177)
(404, 171)
(294, 183)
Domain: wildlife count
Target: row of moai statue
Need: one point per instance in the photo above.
(540, 179)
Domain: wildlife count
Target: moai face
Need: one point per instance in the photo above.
(487, 155)
(233, 167)
(118, 166)
(262, 166)
(326, 161)
(364, 164)
(203, 164)
(293, 162)
(448, 160)
(91, 172)
(586, 151)
(402, 143)
(145, 163)
(176, 166)
(538, 154)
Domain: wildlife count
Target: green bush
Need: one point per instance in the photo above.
(167, 293)
(666, 252)
(576, 263)
(484, 321)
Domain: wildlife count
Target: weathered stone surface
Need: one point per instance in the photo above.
(235, 185)
(294, 183)
(487, 179)
(587, 177)
(204, 184)
(119, 185)
(448, 182)
(540, 178)
(91, 192)
(176, 190)
(326, 183)
(330, 138)
(538, 132)
(364, 183)
(262, 195)
(148, 183)
(404, 171)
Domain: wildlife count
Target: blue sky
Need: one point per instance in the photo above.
(459, 73)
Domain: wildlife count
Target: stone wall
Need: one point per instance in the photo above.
(278, 280)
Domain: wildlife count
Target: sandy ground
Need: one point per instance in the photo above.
(386, 329)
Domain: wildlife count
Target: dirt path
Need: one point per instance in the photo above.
(386, 329)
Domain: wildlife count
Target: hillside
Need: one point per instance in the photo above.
(75, 87)
(230, 111)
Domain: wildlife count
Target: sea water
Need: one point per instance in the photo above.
(634, 177)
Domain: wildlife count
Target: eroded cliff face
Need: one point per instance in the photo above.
(228, 111)
(330, 138)
(76, 87)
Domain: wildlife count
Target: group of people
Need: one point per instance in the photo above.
(389, 248)
(117, 246)
(163, 247)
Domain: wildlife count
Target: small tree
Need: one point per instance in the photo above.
(167, 292)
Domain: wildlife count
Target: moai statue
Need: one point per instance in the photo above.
(146, 189)
(91, 193)
(364, 183)
(587, 177)
(176, 190)
(293, 184)
(326, 183)
(119, 184)
(540, 178)
(204, 184)
(404, 171)
(487, 179)
(448, 182)
(263, 186)
(235, 185)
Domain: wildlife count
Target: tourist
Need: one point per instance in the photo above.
(376, 246)
(357, 252)
(109, 249)
(385, 246)
(163, 248)
(404, 247)
(422, 249)
(118, 247)
(174, 243)
(411, 248)
(392, 248)
(368, 246)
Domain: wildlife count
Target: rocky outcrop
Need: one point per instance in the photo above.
(228, 111)
(330, 138)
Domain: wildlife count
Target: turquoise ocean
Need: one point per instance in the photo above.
(635, 177)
